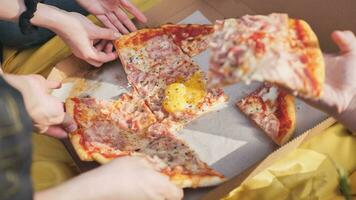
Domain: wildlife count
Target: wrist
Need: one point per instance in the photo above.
(11, 10)
(15, 81)
(48, 17)
(348, 117)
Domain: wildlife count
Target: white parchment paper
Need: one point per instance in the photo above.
(225, 139)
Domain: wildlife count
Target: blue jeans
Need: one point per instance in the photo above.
(11, 36)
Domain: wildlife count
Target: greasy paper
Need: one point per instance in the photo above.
(225, 139)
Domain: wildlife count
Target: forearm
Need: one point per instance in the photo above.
(61, 192)
(16, 81)
(45, 16)
(49, 17)
(78, 188)
(10, 10)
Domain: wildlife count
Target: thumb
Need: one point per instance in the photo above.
(56, 131)
(53, 84)
(69, 124)
(345, 40)
(106, 34)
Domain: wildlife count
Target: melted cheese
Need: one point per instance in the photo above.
(271, 95)
(182, 96)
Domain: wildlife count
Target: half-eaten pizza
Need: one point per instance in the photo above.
(268, 48)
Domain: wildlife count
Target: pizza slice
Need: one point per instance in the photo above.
(151, 58)
(272, 48)
(103, 138)
(191, 38)
(273, 110)
(129, 111)
(159, 70)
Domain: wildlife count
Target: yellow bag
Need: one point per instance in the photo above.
(308, 172)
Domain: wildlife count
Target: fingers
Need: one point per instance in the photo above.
(56, 131)
(94, 63)
(103, 57)
(107, 23)
(101, 45)
(121, 15)
(117, 23)
(166, 189)
(105, 34)
(59, 130)
(69, 124)
(345, 40)
(172, 192)
(109, 47)
(53, 84)
(134, 11)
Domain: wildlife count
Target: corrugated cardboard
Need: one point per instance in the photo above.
(323, 15)
(225, 188)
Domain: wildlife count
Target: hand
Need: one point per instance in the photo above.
(340, 84)
(80, 35)
(46, 112)
(112, 13)
(78, 32)
(339, 98)
(128, 178)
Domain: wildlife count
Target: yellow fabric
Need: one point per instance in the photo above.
(353, 182)
(51, 162)
(309, 172)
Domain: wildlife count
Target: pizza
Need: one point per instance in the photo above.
(107, 130)
(159, 66)
(273, 110)
(168, 91)
(191, 38)
(272, 48)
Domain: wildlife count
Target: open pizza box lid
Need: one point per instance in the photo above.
(225, 139)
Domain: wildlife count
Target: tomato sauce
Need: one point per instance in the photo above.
(182, 33)
(144, 36)
(282, 114)
(299, 29)
(259, 45)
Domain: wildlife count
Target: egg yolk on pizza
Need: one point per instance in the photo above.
(182, 96)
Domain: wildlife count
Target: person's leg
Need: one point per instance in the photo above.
(51, 162)
(11, 36)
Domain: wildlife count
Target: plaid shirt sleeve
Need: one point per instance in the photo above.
(15, 145)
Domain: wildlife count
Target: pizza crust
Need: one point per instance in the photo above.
(82, 153)
(290, 101)
(74, 137)
(69, 105)
(315, 55)
(100, 158)
(195, 181)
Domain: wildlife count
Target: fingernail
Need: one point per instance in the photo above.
(117, 34)
(71, 128)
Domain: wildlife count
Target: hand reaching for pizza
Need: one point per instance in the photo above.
(80, 34)
(127, 178)
(112, 13)
(339, 98)
(46, 112)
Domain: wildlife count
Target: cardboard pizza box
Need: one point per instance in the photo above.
(252, 147)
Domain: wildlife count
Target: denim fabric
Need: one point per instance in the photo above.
(15, 145)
